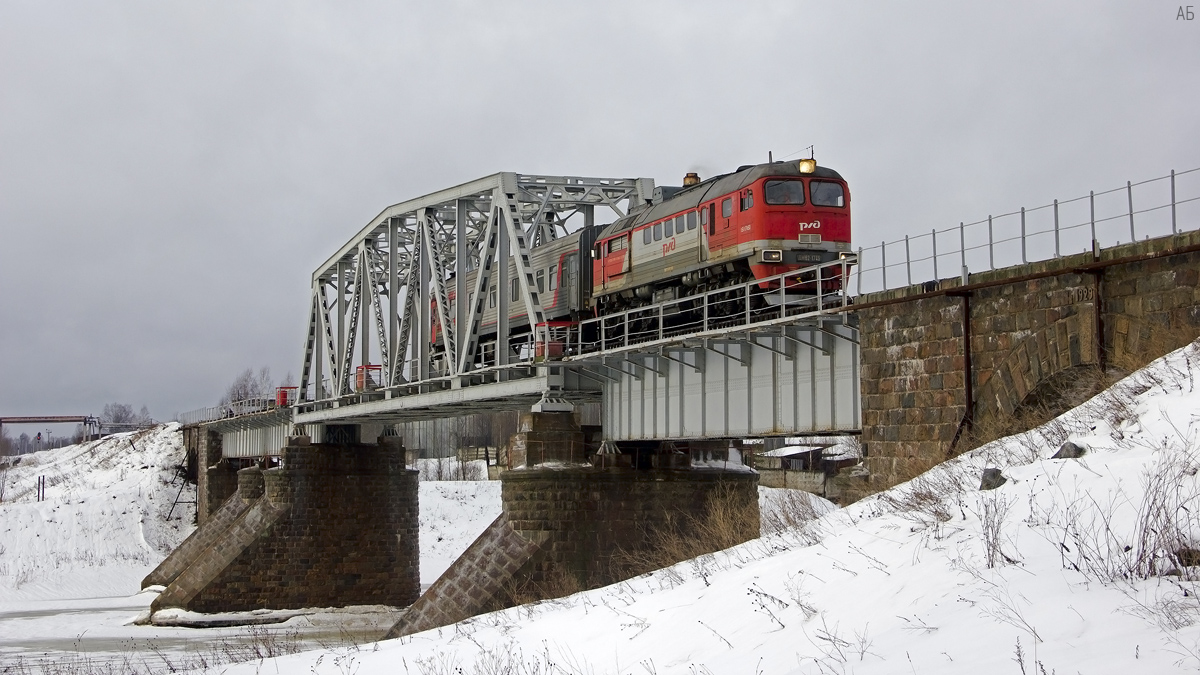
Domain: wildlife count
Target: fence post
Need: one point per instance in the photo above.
(1174, 228)
(1129, 192)
(859, 271)
(962, 247)
(883, 262)
(908, 259)
(1056, 246)
(991, 245)
(934, 236)
(1024, 259)
(1092, 207)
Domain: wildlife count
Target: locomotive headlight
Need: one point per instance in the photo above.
(772, 256)
(807, 165)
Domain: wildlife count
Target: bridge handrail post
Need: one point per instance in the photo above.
(962, 248)
(1129, 193)
(626, 329)
(748, 284)
(991, 245)
(1024, 257)
(783, 296)
(660, 321)
(1056, 244)
(908, 259)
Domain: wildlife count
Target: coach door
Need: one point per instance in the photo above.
(571, 281)
(707, 222)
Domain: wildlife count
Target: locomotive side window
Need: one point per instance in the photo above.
(668, 228)
(825, 193)
(541, 281)
(747, 200)
(512, 295)
(553, 277)
(704, 216)
(727, 207)
(646, 235)
(492, 298)
(657, 231)
(691, 220)
(615, 245)
(785, 192)
(678, 224)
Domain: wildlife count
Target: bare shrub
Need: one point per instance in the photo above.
(993, 509)
(727, 520)
(790, 510)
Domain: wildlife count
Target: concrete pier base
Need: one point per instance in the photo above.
(332, 526)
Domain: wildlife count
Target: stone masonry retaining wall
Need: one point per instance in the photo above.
(1022, 332)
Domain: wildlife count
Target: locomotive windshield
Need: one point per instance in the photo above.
(785, 192)
(825, 193)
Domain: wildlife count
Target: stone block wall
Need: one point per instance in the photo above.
(1026, 326)
(335, 526)
(216, 478)
(249, 491)
(561, 528)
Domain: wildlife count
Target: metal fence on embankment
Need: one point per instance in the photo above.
(1145, 209)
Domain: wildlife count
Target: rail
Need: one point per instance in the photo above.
(1026, 235)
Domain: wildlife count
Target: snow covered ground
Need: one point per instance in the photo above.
(71, 566)
(1070, 566)
(1086, 565)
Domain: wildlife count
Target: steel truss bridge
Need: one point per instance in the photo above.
(720, 364)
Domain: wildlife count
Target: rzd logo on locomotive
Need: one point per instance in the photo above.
(669, 246)
(814, 225)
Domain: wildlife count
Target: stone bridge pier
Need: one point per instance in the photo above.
(571, 523)
(334, 525)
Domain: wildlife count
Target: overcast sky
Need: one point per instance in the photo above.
(171, 173)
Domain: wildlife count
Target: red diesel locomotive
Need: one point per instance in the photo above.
(757, 222)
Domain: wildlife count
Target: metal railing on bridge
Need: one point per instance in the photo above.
(1148, 208)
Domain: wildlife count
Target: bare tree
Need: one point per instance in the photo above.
(248, 385)
(118, 413)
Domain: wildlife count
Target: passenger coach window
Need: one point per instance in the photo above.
(785, 192)
(727, 207)
(825, 193)
(691, 220)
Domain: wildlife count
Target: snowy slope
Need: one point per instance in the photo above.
(103, 525)
(1068, 567)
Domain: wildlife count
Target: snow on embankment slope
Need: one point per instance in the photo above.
(1072, 565)
(103, 525)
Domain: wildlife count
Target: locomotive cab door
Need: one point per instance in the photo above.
(707, 220)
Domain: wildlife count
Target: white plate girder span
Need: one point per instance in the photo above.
(801, 381)
(255, 442)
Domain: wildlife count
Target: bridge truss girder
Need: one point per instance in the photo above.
(398, 274)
